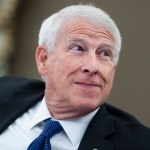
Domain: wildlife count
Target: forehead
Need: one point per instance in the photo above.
(82, 27)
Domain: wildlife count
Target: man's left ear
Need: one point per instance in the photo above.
(41, 58)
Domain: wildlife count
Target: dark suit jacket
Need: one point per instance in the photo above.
(110, 129)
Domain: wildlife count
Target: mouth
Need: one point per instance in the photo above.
(89, 85)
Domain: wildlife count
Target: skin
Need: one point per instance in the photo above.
(79, 71)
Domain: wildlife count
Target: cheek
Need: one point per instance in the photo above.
(108, 76)
(68, 65)
(108, 83)
(61, 68)
(108, 72)
(112, 73)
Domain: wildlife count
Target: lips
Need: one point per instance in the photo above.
(89, 84)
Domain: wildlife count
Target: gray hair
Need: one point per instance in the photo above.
(96, 16)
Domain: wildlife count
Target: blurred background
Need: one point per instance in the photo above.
(20, 21)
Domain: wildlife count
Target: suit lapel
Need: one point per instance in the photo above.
(100, 127)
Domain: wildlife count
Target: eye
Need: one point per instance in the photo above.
(105, 54)
(78, 48)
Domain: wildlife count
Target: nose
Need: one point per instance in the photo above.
(91, 66)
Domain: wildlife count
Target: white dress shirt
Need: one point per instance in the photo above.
(26, 128)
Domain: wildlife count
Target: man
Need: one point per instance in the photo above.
(77, 57)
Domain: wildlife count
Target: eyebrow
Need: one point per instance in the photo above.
(76, 39)
(108, 45)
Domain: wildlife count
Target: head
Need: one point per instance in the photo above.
(78, 53)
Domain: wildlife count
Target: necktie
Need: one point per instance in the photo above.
(42, 141)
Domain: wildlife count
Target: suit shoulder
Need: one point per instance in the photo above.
(120, 115)
(9, 84)
(17, 82)
(130, 128)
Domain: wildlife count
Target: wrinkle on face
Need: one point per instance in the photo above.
(80, 26)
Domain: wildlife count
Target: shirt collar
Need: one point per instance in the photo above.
(40, 115)
(74, 128)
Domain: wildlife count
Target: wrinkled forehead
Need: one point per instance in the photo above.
(73, 24)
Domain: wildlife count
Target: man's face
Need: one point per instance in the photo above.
(80, 70)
